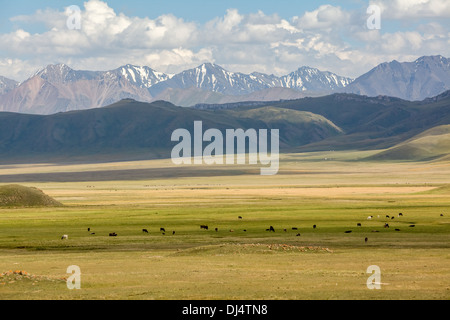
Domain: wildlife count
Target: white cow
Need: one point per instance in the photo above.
(64, 237)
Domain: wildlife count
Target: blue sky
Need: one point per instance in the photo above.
(266, 36)
(197, 10)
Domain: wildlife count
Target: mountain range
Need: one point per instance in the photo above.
(58, 88)
(129, 129)
(426, 77)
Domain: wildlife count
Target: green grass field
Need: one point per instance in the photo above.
(333, 191)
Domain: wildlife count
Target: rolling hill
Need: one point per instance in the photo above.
(21, 196)
(431, 144)
(136, 130)
(130, 127)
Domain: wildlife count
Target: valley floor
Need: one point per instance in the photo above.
(334, 191)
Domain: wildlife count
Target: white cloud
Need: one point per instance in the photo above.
(413, 9)
(329, 38)
(326, 16)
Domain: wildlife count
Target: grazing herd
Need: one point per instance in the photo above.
(270, 229)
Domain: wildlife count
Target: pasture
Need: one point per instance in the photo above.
(241, 260)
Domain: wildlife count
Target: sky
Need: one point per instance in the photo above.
(273, 37)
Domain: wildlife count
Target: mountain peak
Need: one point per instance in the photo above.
(423, 78)
(142, 76)
(7, 85)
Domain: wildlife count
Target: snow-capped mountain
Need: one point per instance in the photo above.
(143, 77)
(7, 85)
(423, 78)
(312, 79)
(58, 88)
(211, 77)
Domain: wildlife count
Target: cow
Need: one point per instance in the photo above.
(397, 230)
(113, 234)
(366, 240)
(240, 218)
(295, 229)
(162, 230)
(144, 230)
(314, 226)
(298, 235)
(348, 231)
(64, 237)
(359, 225)
(271, 229)
(89, 229)
(217, 229)
(204, 227)
(386, 225)
(400, 214)
(173, 233)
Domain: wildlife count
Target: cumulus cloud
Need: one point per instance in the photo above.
(329, 38)
(413, 9)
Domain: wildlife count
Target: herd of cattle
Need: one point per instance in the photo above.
(270, 229)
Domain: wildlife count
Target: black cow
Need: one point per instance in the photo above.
(271, 229)
(359, 225)
(162, 230)
(145, 230)
(204, 227)
(113, 234)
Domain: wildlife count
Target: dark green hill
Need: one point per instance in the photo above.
(20, 196)
(129, 127)
(297, 127)
(130, 130)
(372, 123)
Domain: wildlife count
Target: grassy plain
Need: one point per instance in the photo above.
(334, 191)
